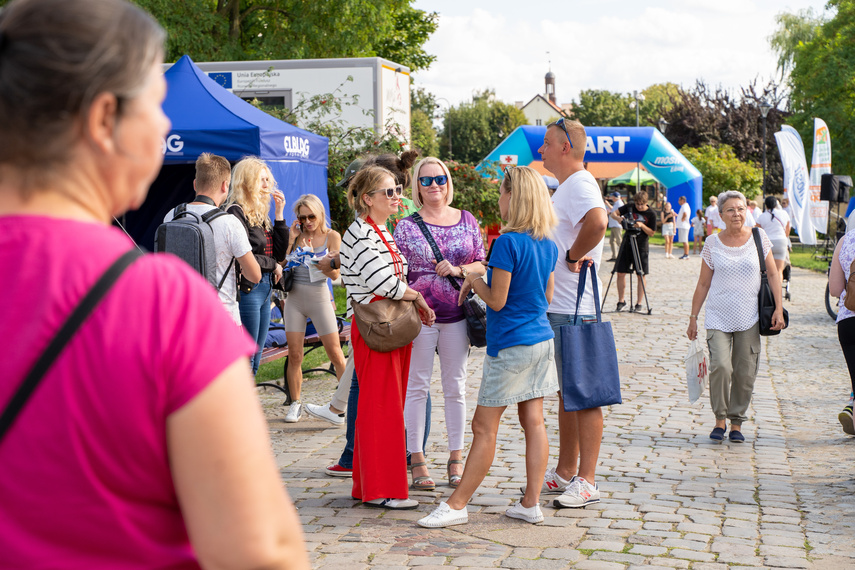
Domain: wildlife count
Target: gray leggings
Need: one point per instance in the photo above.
(313, 302)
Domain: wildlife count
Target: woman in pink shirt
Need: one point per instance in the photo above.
(141, 447)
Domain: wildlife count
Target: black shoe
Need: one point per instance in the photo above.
(612, 259)
(620, 306)
(638, 308)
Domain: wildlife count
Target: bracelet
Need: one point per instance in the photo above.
(568, 260)
(693, 316)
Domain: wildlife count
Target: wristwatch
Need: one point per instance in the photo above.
(332, 263)
(568, 260)
(464, 272)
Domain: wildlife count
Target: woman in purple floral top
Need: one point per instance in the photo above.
(458, 236)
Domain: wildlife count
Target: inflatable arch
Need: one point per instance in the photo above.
(644, 145)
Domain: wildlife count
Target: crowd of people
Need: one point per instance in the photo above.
(192, 481)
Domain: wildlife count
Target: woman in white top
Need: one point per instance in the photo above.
(310, 299)
(841, 264)
(730, 275)
(776, 223)
(372, 267)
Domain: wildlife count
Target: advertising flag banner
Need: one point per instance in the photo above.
(820, 164)
(796, 181)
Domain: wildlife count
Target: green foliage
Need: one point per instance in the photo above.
(602, 108)
(722, 170)
(295, 29)
(476, 193)
(821, 85)
(793, 31)
(422, 133)
(321, 114)
(476, 128)
(422, 100)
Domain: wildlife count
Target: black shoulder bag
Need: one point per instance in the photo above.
(765, 298)
(474, 308)
(63, 336)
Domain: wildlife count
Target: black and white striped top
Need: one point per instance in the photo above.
(366, 265)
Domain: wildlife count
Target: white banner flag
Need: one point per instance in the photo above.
(796, 181)
(820, 164)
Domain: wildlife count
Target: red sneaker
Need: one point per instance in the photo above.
(336, 470)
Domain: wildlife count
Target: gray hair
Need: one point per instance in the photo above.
(728, 195)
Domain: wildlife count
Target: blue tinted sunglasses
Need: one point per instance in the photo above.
(560, 123)
(428, 180)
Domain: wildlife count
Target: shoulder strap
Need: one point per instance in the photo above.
(435, 248)
(63, 336)
(757, 242)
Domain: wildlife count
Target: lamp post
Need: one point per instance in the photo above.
(765, 107)
(447, 124)
(663, 124)
(639, 98)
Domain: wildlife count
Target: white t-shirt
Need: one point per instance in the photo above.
(714, 217)
(698, 226)
(612, 222)
(230, 240)
(774, 227)
(684, 222)
(574, 198)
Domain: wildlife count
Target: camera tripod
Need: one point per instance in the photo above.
(631, 237)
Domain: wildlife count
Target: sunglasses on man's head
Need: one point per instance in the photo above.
(428, 180)
(390, 192)
(560, 123)
(304, 218)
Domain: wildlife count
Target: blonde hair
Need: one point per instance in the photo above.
(416, 186)
(530, 209)
(365, 182)
(576, 131)
(314, 204)
(246, 191)
(211, 171)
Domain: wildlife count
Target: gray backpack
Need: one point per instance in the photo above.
(190, 237)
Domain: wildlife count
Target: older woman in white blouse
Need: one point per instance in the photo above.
(730, 276)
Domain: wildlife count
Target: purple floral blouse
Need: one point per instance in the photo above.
(460, 244)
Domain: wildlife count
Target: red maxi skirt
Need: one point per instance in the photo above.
(380, 447)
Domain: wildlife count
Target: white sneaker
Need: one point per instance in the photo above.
(295, 412)
(530, 514)
(401, 504)
(579, 493)
(325, 413)
(553, 484)
(443, 516)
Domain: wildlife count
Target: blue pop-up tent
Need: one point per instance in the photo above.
(208, 118)
(644, 145)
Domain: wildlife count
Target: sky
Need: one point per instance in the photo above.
(617, 45)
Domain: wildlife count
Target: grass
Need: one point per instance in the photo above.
(316, 359)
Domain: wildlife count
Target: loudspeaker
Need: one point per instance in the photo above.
(828, 188)
(835, 188)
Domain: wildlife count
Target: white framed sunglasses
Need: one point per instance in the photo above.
(391, 192)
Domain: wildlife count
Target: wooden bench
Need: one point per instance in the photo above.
(310, 343)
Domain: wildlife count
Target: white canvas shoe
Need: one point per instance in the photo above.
(528, 514)
(325, 413)
(295, 412)
(444, 516)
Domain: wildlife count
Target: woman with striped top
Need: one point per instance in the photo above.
(373, 268)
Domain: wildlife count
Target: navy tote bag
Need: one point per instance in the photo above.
(589, 375)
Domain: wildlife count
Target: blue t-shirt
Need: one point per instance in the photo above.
(522, 321)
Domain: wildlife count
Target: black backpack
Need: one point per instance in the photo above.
(190, 237)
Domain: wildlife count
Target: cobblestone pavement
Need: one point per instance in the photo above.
(671, 497)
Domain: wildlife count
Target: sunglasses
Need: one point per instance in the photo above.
(428, 180)
(508, 176)
(390, 192)
(304, 218)
(560, 123)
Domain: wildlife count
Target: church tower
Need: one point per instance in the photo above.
(550, 87)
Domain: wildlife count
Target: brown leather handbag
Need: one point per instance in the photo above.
(387, 324)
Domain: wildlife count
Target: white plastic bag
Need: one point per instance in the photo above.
(697, 370)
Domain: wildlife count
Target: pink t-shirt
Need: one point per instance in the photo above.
(85, 479)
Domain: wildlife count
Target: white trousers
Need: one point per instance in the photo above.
(450, 340)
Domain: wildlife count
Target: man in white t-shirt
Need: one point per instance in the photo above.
(582, 224)
(684, 224)
(615, 231)
(213, 175)
(714, 221)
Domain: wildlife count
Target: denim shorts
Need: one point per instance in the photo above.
(556, 321)
(517, 374)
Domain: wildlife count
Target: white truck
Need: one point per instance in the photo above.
(379, 85)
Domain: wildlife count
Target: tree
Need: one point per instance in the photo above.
(223, 30)
(821, 79)
(601, 108)
(793, 30)
(723, 171)
(478, 127)
(706, 116)
(422, 133)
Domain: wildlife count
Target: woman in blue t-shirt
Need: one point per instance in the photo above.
(520, 364)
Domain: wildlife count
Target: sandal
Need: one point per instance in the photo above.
(423, 483)
(453, 480)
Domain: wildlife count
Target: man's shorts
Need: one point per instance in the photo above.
(682, 235)
(626, 264)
